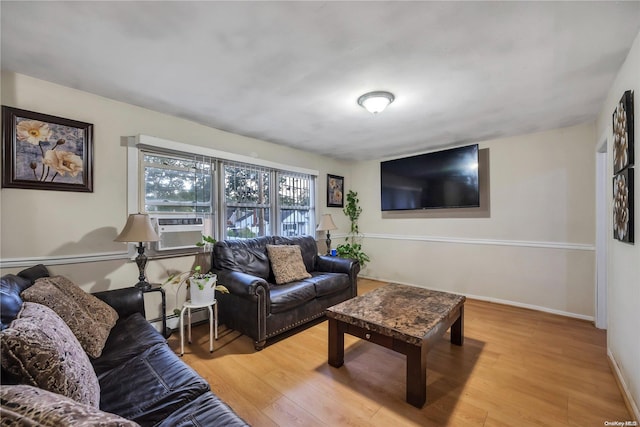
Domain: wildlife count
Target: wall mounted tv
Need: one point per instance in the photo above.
(438, 180)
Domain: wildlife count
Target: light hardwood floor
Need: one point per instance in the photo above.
(517, 368)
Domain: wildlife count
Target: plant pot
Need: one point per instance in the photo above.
(203, 291)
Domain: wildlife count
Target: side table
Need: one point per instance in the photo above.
(213, 322)
(158, 288)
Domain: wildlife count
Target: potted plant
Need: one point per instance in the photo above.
(352, 249)
(201, 285)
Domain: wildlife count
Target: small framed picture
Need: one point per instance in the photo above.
(43, 152)
(335, 191)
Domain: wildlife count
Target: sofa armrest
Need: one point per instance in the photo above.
(332, 264)
(125, 301)
(242, 284)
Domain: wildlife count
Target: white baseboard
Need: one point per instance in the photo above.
(500, 301)
(631, 404)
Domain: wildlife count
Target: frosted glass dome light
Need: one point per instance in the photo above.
(375, 102)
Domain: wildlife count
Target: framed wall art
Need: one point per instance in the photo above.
(623, 133)
(335, 191)
(44, 152)
(623, 206)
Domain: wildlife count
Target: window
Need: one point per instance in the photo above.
(254, 207)
(222, 198)
(177, 185)
(295, 198)
(247, 201)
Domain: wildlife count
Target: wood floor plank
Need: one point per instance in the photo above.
(517, 367)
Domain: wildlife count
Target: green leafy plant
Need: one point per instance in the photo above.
(206, 240)
(196, 275)
(353, 249)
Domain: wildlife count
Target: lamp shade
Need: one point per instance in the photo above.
(138, 229)
(326, 223)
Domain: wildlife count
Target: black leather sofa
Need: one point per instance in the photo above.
(140, 377)
(259, 308)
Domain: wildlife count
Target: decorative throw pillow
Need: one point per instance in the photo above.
(27, 405)
(89, 318)
(286, 262)
(40, 350)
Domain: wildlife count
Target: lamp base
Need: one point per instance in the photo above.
(144, 285)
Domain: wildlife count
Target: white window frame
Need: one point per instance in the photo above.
(135, 177)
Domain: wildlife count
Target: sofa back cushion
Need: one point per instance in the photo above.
(89, 318)
(245, 255)
(40, 350)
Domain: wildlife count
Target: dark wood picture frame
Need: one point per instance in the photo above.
(335, 191)
(623, 200)
(43, 152)
(622, 120)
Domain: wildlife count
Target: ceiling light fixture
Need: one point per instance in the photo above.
(375, 102)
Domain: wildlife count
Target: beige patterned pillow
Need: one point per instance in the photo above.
(89, 318)
(286, 263)
(40, 350)
(27, 405)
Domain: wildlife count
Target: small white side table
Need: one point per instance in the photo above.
(213, 322)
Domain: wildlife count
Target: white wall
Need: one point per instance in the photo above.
(623, 296)
(536, 248)
(37, 226)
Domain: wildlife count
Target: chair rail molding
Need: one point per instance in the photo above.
(62, 259)
(494, 242)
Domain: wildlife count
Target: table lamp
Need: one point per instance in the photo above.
(326, 224)
(139, 229)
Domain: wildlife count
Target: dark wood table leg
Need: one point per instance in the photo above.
(457, 329)
(336, 343)
(416, 375)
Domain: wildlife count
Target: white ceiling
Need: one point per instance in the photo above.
(291, 72)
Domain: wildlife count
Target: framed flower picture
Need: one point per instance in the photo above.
(623, 206)
(45, 152)
(335, 191)
(623, 133)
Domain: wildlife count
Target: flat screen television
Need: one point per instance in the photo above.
(438, 180)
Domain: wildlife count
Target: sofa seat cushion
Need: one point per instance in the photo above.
(150, 386)
(128, 338)
(291, 295)
(39, 349)
(89, 318)
(207, 410)
(25, 405)
(329, 283)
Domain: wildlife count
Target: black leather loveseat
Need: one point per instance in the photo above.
(140, 378)
(262, 309)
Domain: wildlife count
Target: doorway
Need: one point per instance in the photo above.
(603, 184)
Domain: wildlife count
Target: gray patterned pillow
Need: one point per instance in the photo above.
(286, 263)
(89, 318)
(27, 405)
(40, 350)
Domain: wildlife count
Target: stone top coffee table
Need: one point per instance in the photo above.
(406, 319)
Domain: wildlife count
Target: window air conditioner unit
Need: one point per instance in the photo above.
(178, 233)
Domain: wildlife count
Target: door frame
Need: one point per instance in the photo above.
(603, 184)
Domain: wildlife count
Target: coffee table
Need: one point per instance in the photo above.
(406, 319)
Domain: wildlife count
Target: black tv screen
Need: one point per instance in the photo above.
(443, 179)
